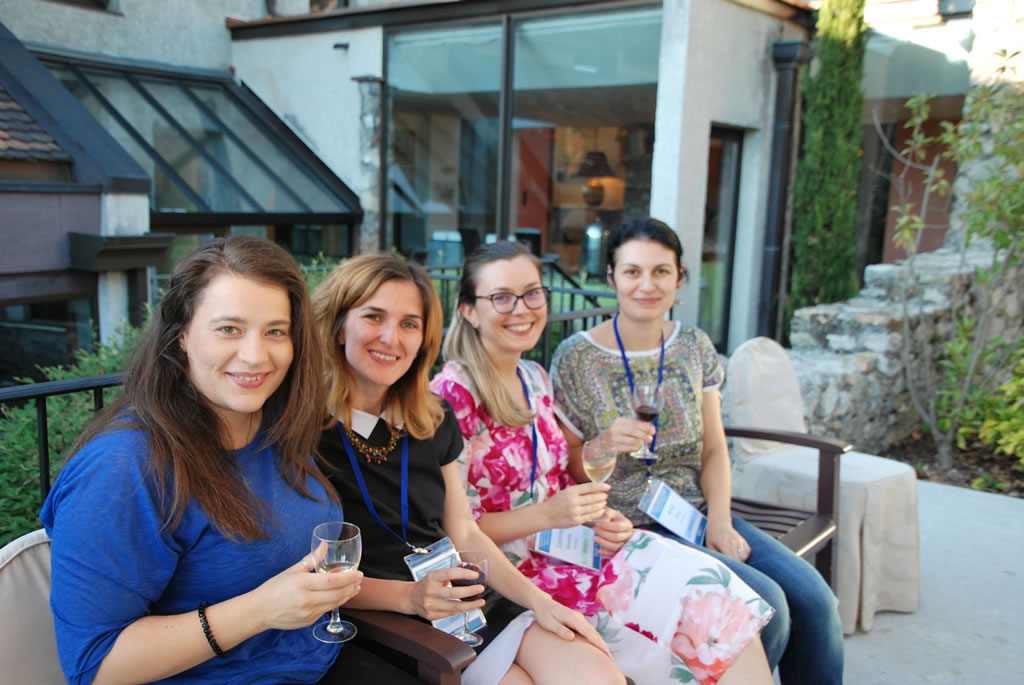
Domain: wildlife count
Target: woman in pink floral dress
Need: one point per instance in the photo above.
(669, 613)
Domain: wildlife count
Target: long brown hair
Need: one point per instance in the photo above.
(159, 399)
(463, 345)
(351, 284)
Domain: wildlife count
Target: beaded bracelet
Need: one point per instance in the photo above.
(209, 633)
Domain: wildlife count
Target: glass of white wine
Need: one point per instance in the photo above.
(599, 461)
(337, 547)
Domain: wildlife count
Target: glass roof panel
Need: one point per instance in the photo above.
(306, 186)
(217, 189)
(165, 193)
(206, 151)
(226, 149)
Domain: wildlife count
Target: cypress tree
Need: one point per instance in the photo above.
(825, 189)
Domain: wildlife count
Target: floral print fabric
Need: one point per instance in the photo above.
(693, 638)
(685, 602)
(591, 389)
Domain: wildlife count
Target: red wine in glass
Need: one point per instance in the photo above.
(466, 582)
(647, 403)
(476, 561)
(646, 412)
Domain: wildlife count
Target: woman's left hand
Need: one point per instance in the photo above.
(612, 532)
(566, 623)
(722, 537)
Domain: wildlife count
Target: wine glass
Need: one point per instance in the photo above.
(599, 461)
(474, 560)
(336, 548)
(647, 403)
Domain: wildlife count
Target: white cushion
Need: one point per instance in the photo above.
(28, 647)
(763, 392)
(879, 564)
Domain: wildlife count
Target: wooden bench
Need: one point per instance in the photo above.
(810, 534)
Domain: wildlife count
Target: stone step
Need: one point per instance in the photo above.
(935, 270)
(860, 324)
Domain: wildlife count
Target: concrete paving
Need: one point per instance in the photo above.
(969, 627)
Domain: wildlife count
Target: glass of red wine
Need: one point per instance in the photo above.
(647, 403)
(476, 561)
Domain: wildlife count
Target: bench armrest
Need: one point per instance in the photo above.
(440, 657)
(829, 450)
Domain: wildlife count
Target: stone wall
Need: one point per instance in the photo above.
(848, 355)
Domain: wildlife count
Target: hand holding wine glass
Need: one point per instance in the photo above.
(476, 561)
(336, 548)
(648, 401)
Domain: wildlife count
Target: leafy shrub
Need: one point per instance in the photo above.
(67, 417)
(999, 420)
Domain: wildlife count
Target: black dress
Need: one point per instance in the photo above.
(383, 553)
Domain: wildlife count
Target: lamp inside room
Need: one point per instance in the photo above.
(594, 167)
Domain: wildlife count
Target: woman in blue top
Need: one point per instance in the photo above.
(181, 522)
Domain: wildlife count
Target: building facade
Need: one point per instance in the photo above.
(432, 127)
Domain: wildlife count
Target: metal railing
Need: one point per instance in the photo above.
(560, 325)
(38, 392)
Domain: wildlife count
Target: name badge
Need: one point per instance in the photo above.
(442, 554)
(576, 545)
(667, 507)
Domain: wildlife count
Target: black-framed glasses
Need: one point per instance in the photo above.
(505, 303)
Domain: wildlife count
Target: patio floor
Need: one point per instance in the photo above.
(969, 625)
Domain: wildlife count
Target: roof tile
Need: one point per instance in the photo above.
(21, 138)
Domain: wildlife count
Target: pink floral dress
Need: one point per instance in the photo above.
(669, 613)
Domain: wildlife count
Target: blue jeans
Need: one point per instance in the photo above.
(805, 637)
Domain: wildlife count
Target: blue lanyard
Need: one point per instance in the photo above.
(629, 377)
(533, 424)
(404, 537)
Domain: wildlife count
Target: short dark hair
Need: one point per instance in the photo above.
(644, 229)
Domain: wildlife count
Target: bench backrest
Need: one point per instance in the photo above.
(28, 647)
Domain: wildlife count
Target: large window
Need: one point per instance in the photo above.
(577, 134)
(583, 132)
(42, 334)
(444, 140)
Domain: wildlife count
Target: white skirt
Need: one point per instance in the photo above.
(491, 665)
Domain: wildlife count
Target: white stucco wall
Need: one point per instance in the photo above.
(715, 69)
(121, 214)
(179, 32)
(308, 82)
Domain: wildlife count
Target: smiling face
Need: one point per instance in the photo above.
(382, 337)
(239, 349)
(645, 277)
(518, 331)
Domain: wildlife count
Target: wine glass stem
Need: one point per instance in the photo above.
(335, 625)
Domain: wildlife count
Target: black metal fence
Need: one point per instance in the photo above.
(560, 325)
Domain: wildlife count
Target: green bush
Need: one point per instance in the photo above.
(998, 418)
(67, 417)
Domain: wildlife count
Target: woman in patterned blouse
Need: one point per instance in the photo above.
(593, 373)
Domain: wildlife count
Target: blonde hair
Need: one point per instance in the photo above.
(348, 286)
(463, 345)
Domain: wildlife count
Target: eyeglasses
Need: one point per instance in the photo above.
(505, 303)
